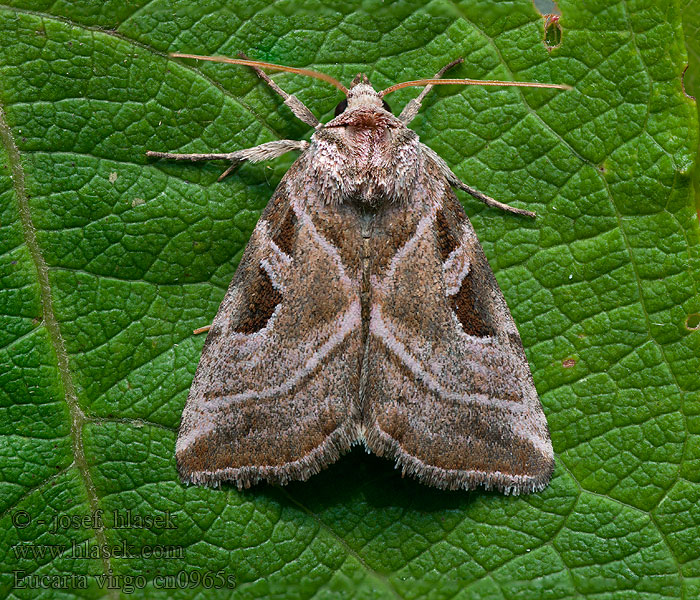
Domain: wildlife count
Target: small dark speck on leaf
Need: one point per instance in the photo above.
(568, 363)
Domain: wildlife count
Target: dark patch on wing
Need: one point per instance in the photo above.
(471, 310)
(447, 241)
(259, 301)
(469, 304)
(448, 224)
(286, 233)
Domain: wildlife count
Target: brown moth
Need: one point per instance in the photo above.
(363, 310)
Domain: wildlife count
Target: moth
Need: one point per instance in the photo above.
(363, 311)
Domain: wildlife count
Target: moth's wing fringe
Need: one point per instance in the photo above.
(337, 444)
(453, 479)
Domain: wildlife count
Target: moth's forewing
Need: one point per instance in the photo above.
(276, 392)
(449, 393)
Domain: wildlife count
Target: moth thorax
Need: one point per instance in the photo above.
(363, 95)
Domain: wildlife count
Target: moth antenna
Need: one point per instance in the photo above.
(419, 82)
(266, 65)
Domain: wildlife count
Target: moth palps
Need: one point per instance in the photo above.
(363, 310)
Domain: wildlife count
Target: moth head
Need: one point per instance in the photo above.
(361, 95)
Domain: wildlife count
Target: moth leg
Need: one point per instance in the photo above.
(266, 151)
(456, 182)
(297, 106)
(201, 330)
(411, 109)
(487, 200)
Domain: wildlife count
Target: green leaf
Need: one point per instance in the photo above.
(691, 79)
(109, 261)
